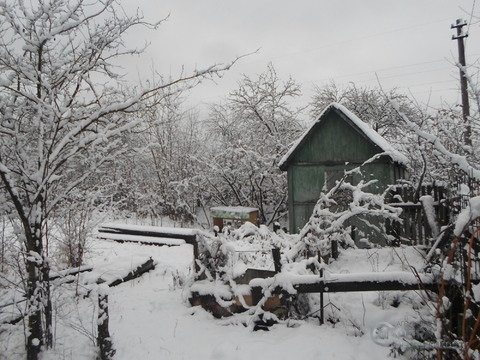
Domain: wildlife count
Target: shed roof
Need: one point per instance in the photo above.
(374, 137)
(234, 209)
(232, 212)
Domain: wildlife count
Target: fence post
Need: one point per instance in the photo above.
(103, 338)
(322, 314)
(334, 249)
(277, 260)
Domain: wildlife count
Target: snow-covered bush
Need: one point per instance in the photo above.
(213, 255)
(336, 212)
(73, 225)
(234, 250)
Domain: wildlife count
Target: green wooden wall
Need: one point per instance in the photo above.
(334, 145)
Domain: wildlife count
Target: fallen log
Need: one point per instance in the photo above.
(68, 272)
(139, 271)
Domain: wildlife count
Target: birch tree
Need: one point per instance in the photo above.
(62, 110)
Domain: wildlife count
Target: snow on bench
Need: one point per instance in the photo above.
(150, 229)
(142, 239)
(155, 235)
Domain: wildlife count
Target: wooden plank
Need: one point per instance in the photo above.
(139, 271)
(145, 240)
(189, 237)
(396, 281)
(353, 286)
(137, 232)
(69, 272)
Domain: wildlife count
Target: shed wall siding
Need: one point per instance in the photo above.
(306, 182)
(334, 146)
(335, 140)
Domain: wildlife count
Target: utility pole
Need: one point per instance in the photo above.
(459, 24)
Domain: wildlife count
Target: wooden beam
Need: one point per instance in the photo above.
(350, 286)
(395, 281)
(139, 271)
(158, 232)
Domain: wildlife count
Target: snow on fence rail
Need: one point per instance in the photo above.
(222, 299)
(400, 280)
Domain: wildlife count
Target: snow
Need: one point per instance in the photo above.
(115, 268)
(400, 276)
(160, 229)
(150, 318)
(150, 321)
(428, 206)
(470, 213)
(143, 239)
(459, 160)
(234, 209)
(206, 287)
(35, 342)
(463, 189)
(372, 135)
(476, 291)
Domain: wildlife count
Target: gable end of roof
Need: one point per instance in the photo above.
(362, 127)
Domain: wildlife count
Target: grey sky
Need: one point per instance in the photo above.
(406, 43)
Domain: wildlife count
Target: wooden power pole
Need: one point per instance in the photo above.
(459, 24)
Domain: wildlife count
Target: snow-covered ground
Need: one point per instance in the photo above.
(150, 318)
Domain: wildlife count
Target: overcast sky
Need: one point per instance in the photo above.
(406, 43)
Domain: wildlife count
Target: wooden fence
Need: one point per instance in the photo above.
(427, 208)
(424, 211)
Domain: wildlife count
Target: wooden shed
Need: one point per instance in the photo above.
(234, 216)
(337, 141)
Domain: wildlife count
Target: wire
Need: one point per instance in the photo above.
(471, 16)
(391, 68)
(357, 39)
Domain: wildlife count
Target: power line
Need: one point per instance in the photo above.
(390, 68)
(471, 16)
(338, 43)
(427, 83)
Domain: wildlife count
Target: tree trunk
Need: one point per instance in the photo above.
(35, 306)
(103, 339)
(38, 292)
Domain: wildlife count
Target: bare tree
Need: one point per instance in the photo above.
(372, 105)
(251, 132)
(62, 111)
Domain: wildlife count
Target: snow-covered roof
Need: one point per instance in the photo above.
(234, 209)
(365, 128)
(232, 212)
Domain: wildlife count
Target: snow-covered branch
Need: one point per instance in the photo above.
(460, 160)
